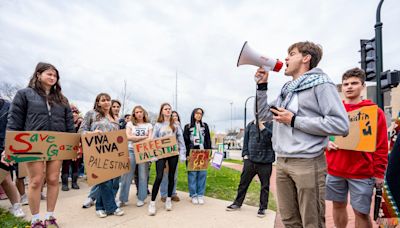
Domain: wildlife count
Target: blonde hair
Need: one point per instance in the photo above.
(145, 115)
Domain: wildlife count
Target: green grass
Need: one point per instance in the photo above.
(221, 184)
(8, 220)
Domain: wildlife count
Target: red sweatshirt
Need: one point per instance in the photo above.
(356, 164)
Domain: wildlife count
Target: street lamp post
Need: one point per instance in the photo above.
(245, 111)
(231, 115)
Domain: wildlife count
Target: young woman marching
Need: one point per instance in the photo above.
(101, 119)
(197, 136)
(138, 129)
(42, 107)
(165, 126)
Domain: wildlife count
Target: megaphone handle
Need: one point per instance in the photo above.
(267, 68)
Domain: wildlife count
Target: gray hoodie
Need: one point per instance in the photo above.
(319, 114)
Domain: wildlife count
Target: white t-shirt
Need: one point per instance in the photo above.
(141, 129)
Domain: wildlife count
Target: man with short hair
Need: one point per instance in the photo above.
(356, 171)
(305, 113)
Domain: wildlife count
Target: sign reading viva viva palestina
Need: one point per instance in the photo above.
(150, 150)
(105, 155)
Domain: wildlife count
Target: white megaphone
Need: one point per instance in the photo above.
(250, 57)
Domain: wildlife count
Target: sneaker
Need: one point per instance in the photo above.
(175, 198)
(64, 187)
(139, 203)
(16, 210)
(152, 208)
(163, 198)
(233, 207)
(50, 223)
(121, 204)
(3, 196)
(43, 196)
(195, 200)
(168, 204)
(37, 224)
(261, 213)
(101, 214)
(201, 200)
(24, 199)
(88, 203)
(118, 212)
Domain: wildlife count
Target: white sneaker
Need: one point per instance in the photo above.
(43, 196)
(152, 208)
(101, 214)
(139, 203)
(16, 210)
(121, 204)
(118, 212)
(168, 204)
(201, 200)
(88, 203)
(24, 199)
(195, 200)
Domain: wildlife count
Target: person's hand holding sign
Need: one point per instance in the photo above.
(332, 146)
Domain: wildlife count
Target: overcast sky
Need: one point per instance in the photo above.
(97, 45)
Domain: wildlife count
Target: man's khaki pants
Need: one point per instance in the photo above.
(301, 191)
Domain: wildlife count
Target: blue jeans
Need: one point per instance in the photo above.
(105, 198)
(197, 183)
(127, 178)
(164, 184)
(95, 189)
(93, 192)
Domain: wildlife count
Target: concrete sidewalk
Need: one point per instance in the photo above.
(328, 204)
(69, 213)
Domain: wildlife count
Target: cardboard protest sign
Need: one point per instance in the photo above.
(26, 146)
(198, 160)
(150, 150)
(3, 174)
(362, 132)
(106, 155)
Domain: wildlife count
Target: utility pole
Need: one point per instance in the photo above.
(176, 91)
(378, 55)
(231, 117)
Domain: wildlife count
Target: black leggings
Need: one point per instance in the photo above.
(160, 165)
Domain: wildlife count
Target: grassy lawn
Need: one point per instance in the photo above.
(221, 184)
(8, 220)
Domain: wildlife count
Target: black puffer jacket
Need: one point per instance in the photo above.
(28, 112)
(258, 151)
(4, 106)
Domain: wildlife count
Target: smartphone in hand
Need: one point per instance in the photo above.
(274, 108)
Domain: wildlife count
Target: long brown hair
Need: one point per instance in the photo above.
(160, 118)
(98, 108)
(55, 95)
(145, 115)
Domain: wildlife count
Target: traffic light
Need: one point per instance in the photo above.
(368, 58)
(390, 79)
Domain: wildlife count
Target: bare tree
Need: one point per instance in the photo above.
(125, 97)
(8, 90)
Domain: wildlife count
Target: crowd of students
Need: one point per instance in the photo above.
(294, 129)
(43, 107)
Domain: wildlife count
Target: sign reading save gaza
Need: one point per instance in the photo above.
(105, 155)
(150, 150)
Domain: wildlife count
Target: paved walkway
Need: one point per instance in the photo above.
(212, 214)
(328, 204)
